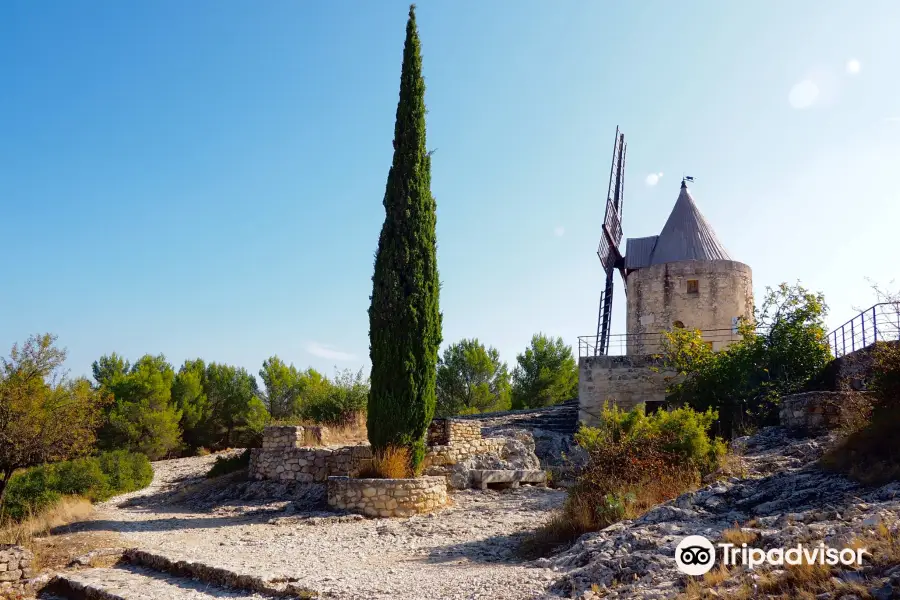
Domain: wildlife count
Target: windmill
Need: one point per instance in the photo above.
(610, 256)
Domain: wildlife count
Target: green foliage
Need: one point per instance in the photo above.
(189, 398)
(230, 391)
(777, 355)
(126, 471)
(95, 478)
(143, 417)
(43, 415)
(546, 374)
(682, 433)
(404, 317)
(225, 465)
(470, 380)
(338, 401)
(635, 461)
(282, 387)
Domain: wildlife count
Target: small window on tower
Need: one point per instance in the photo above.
(678, 325)
(693, 286)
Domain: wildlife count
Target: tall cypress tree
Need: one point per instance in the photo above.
(404, 318)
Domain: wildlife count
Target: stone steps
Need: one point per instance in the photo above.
(144, 575)
(128, 582)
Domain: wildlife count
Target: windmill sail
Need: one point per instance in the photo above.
(608, 250)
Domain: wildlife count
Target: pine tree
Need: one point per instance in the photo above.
(404, 318)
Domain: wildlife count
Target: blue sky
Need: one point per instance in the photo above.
(205, 178)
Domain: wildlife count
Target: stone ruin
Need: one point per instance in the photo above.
(387, 497)
(15, 568)
(455, 450)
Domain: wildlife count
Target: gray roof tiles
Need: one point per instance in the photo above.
(687, 235)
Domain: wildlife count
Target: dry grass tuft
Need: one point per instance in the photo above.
(390, 463)
(737, 536)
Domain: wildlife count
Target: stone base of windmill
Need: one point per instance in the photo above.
(387, 497)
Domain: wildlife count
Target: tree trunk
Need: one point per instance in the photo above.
(3, 482)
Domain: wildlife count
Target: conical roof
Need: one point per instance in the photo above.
(687, 235)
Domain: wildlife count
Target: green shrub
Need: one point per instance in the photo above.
(126, 471)
(635, 461)
(95, 478)
(340, 403)
(81, 477)
(225, 465)
(682, 433)
(30, 491)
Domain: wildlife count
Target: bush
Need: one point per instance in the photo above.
(94, 478)
(636, 461)
(126, 471)
(779, 353)
(229, 464)
(340, 403)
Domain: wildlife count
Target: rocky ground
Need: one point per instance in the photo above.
(783, 500)
(283, 533)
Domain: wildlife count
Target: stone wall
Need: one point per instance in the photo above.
(15, 566)
(387, 497)
(625, 381)
(447, 455)
(294, 436)
(444, 432)
(307, 464)
(811, 411)
(658, 297)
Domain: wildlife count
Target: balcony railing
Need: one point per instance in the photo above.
(649, 343)
(880, 323)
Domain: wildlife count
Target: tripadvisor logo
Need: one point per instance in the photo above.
(696, 555)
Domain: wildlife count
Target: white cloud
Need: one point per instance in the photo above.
(653, 178)
(853, 66)
(323, 351)
(559, 231)
(804, 94)
(660, 174)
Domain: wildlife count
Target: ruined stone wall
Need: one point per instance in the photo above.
(294, 436)
(820, 410)
(282, 457)
(658, 297)
(447, 455)
(307, 465)
(444, 432)
(625, 381)
(387, 497)
(15, 566)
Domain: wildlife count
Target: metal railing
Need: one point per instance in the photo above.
(879, 323)
(648, 343)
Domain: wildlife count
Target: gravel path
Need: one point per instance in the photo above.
(464, 551)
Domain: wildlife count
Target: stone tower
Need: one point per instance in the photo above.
(684, 277)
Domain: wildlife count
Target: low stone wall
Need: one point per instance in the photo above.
(307, 464)
(15, 566)
(445, 432)
(810, 411)
(441, 456)
(387, 497)
(294, 436)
